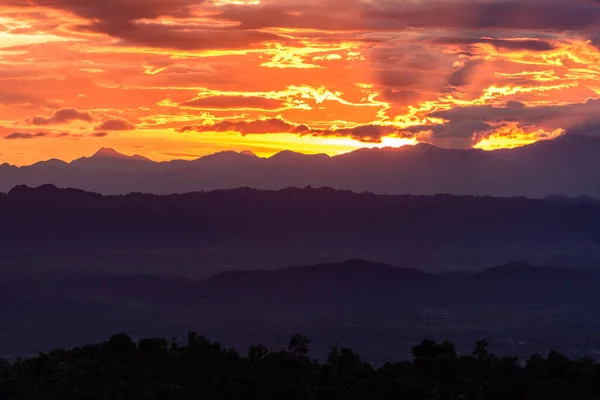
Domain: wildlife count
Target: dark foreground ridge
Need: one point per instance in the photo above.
(567, 166)
(158, 369)
(377, 308)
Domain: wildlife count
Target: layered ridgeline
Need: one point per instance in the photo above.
(376, 308)
(198, 234)
(568, 166)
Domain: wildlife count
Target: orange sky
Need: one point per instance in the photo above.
(183, 78)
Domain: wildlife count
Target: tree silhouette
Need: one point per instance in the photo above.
(118, 369)
(480, 351)
(257, 352)
(298, 345)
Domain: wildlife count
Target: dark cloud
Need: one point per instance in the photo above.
(463, 75)
(386, 15)
(235, 103)
(399, 97)
(272, 125)
(502, 44)
(18, 99)
(131, 21)
(461, 134)
(371, 133)
(29, 135)
(462, 129)
(466, 126)
(61, 116)
(182, 37)
(113, 10)
(134, 21)
(590, 127)
(459, 129)
(115, 125)
(308, 14)
(26, 135)
(400, 79)
(364, 133)
(516, 112)
(553, 15)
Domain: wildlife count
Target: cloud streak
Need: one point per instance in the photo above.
(25, 135)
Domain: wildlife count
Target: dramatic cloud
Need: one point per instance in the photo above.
(180, 36)
(318, 76)
(555, 15)
(115, 125)
(363, 133)
(62, 116)
(113, 10)
(550, 116)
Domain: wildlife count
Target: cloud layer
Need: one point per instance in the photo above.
(329, 76)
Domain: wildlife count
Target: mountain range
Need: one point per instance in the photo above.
(568, 166)
(203, 233)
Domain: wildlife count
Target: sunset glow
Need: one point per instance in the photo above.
(174, 79)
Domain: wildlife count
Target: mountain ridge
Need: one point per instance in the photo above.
(566, 166)
(374, 314)
(254, 228)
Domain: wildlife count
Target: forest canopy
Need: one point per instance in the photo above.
(156, 368)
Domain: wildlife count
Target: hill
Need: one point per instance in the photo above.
(377, 308)
(198, 234)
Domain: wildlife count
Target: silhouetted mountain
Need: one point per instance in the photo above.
(198, 233)
(566, 166)
(112, 154)
(373, 306)
(351, 279)
(354, 282)
(520, 283)
(107, 159)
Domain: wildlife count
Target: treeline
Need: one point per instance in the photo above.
(158, 369)
(313, 216)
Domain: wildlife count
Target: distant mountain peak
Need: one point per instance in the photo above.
(293, 155)
(286, 153)
(107, 152)
(53, 162)
(248, 153)
(229, 155)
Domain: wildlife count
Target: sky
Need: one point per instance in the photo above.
(178, 79)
